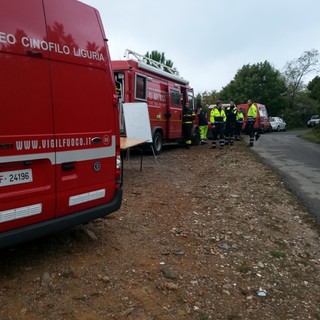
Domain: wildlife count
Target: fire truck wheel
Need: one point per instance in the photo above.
(196, 137)
(157, 142)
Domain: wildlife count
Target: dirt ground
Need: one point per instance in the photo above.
(202, 234)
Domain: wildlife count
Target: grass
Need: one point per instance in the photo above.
(278, 254)
(313, 135)
(246, 267)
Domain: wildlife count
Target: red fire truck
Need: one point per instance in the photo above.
(60, 159)
(141, 79)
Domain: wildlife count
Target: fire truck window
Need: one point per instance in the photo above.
(175, 97)
(191, 99)
(141, 88)
(119, 80)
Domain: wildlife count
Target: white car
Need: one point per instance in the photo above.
(277, 124)
(313, 121)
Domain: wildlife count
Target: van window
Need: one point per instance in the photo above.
(263, 112)
(141, 87)
(175, 97)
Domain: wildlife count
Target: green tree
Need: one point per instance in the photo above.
(303, 109)
(198, 101)
(156, 56)
(296, 70)
(259, 82)
(314, 88)
(209, 98)
(165, 64)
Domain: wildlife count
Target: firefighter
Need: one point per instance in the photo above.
(231, 115)
(217, 118)
(203, 126)
(251, 118)
(239, 123)
(187, 120)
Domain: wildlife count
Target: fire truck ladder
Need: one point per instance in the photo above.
(160, 68)
(151, 62)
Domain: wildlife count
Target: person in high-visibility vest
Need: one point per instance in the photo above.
(218, 118)
(231, 114)
(203, 126)
(239, 124)
(187, 123)
(251, 118)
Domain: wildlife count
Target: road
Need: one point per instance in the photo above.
(297, 162)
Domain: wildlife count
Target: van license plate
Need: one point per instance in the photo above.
(9, 178)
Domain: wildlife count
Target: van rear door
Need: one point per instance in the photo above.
(27, 171)
(84, 114)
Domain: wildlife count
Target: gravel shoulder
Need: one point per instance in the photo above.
(199, 236)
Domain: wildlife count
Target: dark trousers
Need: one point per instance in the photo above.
(187, 133)
(250, 131)
(229, 132)
(238, 129)
(218, 131)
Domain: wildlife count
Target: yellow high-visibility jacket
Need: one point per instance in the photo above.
(217, 116)
(240, 116)
(252, 111)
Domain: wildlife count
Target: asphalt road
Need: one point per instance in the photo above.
(297, 162)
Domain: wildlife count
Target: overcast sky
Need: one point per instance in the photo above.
(210, 40)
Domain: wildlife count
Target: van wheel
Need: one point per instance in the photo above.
(157, 142)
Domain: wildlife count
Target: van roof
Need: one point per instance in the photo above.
(214, 105)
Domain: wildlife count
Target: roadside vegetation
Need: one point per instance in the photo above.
(313, 135)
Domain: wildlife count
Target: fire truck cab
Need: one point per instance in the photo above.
(141, 79)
